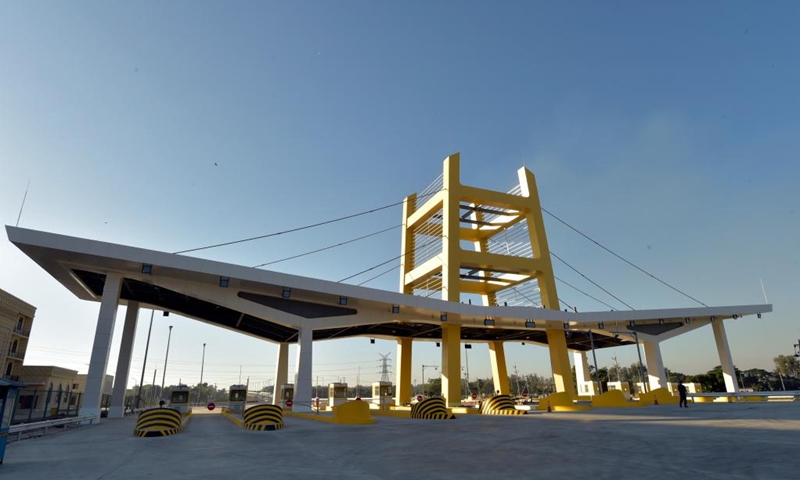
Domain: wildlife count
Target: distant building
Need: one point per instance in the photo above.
(48, 391)
(16, 320)
(44, 377)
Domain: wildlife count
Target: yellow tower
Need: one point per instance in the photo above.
(435, 261)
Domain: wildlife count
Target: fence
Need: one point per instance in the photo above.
(39, 404)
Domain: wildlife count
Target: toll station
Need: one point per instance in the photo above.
(509, 253)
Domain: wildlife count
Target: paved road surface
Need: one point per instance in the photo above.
(720, 441)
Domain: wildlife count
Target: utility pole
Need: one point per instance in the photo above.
(616, 366)
(153, 393)
(423, 376)
(516, 374)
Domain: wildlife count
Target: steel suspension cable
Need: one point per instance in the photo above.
(621, 258)
(296, 229)
(590, 280)
(328, 247)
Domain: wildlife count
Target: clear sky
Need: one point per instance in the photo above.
(668, 132)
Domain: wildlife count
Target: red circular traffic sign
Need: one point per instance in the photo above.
(524, 393)
(419, 398)
(211, 405)
(289, 402)
(474, 395)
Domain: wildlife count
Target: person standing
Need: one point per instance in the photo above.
(682, 393)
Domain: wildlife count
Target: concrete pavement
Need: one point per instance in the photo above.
(721, 441)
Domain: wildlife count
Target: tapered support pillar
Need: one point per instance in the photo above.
(725, 359)
(117, 408)
(451, 364)
(656, 374)
(497, 355)
(403, 377)
(101, 348)
(281, 373)
(583, 377)
(559, 360)
(302, 382)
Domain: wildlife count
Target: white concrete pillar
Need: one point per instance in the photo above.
(656, 375)
(725, 359)
(117, 408)
(281, 373)
(302, 379)
(583, 376)
(102, 346)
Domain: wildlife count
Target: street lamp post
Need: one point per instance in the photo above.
(202, 367)
(166, 357)
(423, 376)
(146, 348)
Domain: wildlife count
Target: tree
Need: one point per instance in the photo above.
(787, 365)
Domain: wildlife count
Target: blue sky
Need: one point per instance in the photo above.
(667, 132)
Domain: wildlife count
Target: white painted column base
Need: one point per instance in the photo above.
(656, 375)
(725, 359)
(101, 348)
(117, 408)
(302, 382)
(116, 411)
(582, 376)
(281, 373)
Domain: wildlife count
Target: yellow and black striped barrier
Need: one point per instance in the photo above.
(500, 405)
(263, 417)
(431, 408)
(158, 422)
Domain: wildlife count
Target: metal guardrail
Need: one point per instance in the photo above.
(779, 393)
(45, 425)
(22, 331)
(17, 355)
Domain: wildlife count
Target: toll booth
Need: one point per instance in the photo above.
(382, 394)
(337, 394)
(287, 393)
(587, 388)
(690, 388)
(180, 398)
(623, 387)
(237, 397)
(8, 397)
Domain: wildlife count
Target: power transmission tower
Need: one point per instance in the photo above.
(385, 360)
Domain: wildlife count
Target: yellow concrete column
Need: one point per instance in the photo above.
(451, 364)
(538, 239)
(499, 373)
(407, 243)
(451, 223)
(559, 360)
(403, 377)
